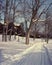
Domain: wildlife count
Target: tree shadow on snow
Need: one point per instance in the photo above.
(1, 56)
(48, 55)
(34, 58)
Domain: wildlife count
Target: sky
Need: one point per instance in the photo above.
(45, 5)
(21, 19)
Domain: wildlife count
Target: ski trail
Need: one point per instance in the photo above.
(20, 55)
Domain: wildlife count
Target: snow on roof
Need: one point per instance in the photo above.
(16, 24)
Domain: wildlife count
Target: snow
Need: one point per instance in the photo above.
(38, 52)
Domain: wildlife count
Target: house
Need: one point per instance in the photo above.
(1, 28)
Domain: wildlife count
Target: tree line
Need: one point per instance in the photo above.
(31, 11)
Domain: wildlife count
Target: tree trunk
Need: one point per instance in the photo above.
(5, 37)
(2, 37)
(10, 34)
(18, 38)
(6, 33)
(15, 37)
(6, 20)
(47, 40)
(28, 32)
(3, 34)
(10, 37)
(27, 38)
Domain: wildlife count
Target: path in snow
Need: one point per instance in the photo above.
(37, 54)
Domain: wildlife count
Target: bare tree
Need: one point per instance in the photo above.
(35, 8)
(48, 24)
(35, 17)
(5, 28)
(10, 10)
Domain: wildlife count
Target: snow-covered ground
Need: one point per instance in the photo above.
(38, 52)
